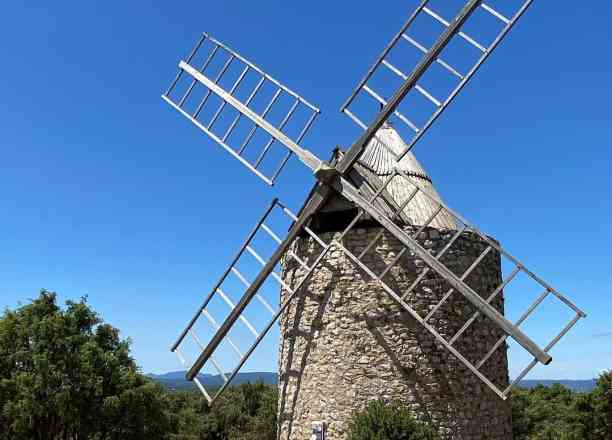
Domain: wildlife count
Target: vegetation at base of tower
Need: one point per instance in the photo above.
(387, 421)
(66, 375)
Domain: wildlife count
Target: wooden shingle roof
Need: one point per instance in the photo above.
(372, 170)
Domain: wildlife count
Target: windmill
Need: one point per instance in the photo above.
(370, 198)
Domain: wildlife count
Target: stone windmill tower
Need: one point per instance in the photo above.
(385, 292)
(343, 343)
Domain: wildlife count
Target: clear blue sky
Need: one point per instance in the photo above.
(107, 191)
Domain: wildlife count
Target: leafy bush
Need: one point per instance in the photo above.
(392, 421)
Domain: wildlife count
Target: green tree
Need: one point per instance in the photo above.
(602, 406)
(65, 375)
(244, 412)
(392, 421)
(190, 410)
(262, 424)
(549, 412)
(522, 425)
(552, 413)
(583, 417)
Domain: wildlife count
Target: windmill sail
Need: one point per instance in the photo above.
(242, 108)
(217, 322)
(423, 68)
(442, 266)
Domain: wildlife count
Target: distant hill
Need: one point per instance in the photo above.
(175, 380)
(582, 386)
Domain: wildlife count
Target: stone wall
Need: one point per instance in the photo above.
(345, 342)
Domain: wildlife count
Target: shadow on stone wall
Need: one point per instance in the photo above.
(294, 332)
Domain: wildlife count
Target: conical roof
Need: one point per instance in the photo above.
(379, 158)
(370, 173)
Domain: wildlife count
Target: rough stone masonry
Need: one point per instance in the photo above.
(344, 341)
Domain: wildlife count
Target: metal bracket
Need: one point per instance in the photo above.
(326, 173)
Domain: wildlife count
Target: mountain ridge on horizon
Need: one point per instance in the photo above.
(175, 380)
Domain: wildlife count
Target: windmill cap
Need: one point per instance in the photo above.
(381, 153)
